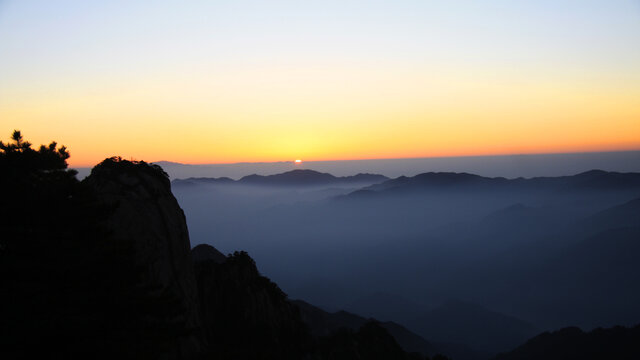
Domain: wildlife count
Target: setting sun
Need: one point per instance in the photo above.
(298, 162)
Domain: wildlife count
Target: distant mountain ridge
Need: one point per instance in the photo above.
(572, 343)
(295, 178)
(463, 326)
(623, 215)
(376, 183)
(509, 166)
(593, 179)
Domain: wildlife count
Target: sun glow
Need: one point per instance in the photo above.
(251, 82)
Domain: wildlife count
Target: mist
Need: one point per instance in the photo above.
(538, 252)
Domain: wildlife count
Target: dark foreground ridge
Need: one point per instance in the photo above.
(103, 269)
(323, 323)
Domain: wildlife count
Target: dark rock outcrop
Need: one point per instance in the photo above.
(322, 323)
(205, 252)
(370, 342)
(100, 269)
(246, 316)
(147, 217)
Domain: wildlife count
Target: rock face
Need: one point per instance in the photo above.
(146, 217)
(322, 324)
(246, 316)
(370, 342)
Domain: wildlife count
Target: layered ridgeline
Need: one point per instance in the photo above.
(293, 178)
(594, 179)
(103, 269)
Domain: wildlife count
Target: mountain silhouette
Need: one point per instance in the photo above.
(245, 315)
(323, 323)
(293, 178)
(623, 215)
(202, 181)
(590, 180)
(205, 252)
(574, 344)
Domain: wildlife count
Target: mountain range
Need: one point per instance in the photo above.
(434, 237)
(293, 178)
(437, 181)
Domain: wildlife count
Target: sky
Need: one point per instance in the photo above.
(258, 81)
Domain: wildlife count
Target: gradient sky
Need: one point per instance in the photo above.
(229, 81)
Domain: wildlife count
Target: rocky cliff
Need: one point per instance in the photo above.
(246, 316)
(146, 217)
(97, 269)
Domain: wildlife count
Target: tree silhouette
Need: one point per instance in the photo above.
(38, 186)
(18, 156)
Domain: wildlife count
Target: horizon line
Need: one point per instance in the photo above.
(397, 158)
(71, 166)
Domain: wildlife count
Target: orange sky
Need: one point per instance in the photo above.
(345, 114)
(320, 89)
